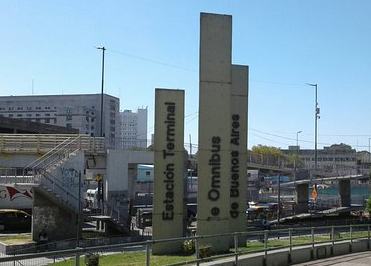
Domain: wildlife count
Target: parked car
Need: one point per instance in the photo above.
(12, 220)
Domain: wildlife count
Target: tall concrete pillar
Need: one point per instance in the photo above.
(345, 194)
(51, 219)
(169, 204)
(214, 160)
(302, 197)
(238, 175)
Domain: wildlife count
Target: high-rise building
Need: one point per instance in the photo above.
(133, 128)
(80, 111)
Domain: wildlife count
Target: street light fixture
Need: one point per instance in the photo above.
(316, 117)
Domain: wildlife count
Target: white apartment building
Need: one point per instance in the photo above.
(80, 111)
(134, 128)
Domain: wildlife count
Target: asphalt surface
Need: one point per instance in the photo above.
(356, 259)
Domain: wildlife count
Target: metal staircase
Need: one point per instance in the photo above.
(42, 175)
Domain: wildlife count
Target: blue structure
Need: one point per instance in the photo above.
(145, 173)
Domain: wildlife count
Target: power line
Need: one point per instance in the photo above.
(152, 60)
(265, 138)
(301, 140)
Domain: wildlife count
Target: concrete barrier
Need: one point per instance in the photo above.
(301, 254)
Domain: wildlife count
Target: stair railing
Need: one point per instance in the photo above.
(58, 153)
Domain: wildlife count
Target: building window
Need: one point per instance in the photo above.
(68, 125)
(10, 115)
(47, 120)
(19, 115)
(37, 115)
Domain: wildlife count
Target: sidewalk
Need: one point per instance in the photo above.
(357, 259)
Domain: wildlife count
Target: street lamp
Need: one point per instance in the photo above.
(369, 155)
(316, 117)
(102, 91)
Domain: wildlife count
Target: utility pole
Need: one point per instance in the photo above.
(102, 90)
(316, 117)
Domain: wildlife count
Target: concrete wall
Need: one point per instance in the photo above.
(117, 172)
(49, 217)
(298, 255)
(345, 194)
(302, 197)
(68, 172)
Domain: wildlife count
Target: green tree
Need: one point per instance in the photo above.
(267, 151)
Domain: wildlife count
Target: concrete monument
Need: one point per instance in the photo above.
(214, 160)
(238, 141)
(168, 213)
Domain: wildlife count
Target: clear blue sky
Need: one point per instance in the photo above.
(155, 44)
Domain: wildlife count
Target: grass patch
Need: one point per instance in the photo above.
(16, 239)
(131, 259)
(139, 258)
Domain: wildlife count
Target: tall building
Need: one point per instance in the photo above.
(134, 128)
(80, 111)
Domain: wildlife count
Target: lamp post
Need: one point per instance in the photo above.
(316, 117)
(102, 91)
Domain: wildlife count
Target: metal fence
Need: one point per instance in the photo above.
(41, 143)
(261, 242)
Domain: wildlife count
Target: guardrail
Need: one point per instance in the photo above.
(261, 242)
(42, 143)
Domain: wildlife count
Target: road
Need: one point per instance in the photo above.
(357, 259)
